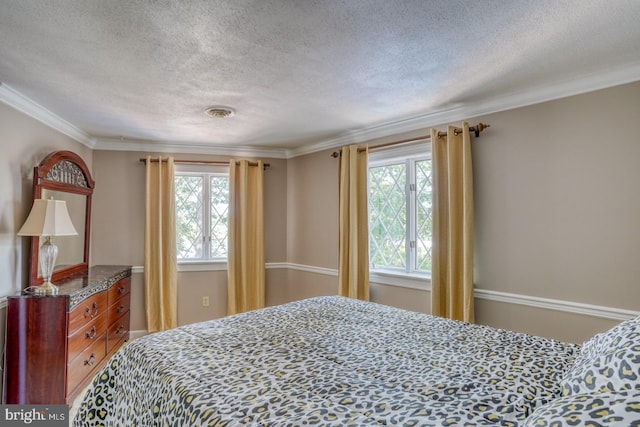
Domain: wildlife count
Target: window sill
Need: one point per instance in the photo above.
(199, 265)
(395, 278)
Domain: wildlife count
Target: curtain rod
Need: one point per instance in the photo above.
(204, 162)
(477, 129)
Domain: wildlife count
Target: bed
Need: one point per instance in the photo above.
(335, 361)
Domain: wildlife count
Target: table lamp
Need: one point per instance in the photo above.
(48, 218)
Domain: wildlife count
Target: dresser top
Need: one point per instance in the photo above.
(80, 286)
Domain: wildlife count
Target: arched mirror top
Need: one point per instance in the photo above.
(63, 175)
(64, 170)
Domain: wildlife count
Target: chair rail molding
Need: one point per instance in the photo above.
(605, 312)
(593, 310)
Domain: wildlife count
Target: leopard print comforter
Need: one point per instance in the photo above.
(327, 361)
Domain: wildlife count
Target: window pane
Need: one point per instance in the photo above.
(219, 216)
(387, 216)
(424, 215)
(189, 231)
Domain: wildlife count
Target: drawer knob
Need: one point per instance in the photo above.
(92, 311)
(121, 330)
(91, 360)
(120, 290)
(92, 333)
(121, 309)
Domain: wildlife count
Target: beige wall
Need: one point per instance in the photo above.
(556, 216)
(557, 208)
(312, 212)
(118, 205)
(557, 203)
(118, 232)
(24, 143)
(398, 296)
(559, 325)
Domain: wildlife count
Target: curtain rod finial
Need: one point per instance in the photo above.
(481, 126)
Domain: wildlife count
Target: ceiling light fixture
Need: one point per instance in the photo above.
(220, 112)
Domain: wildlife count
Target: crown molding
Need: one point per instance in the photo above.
(461, 111)
(535, 95)
(124, 144)
(356, 136)
(560, 89)
(18, 101)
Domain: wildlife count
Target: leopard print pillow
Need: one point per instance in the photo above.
(600, 409)
(608, 362)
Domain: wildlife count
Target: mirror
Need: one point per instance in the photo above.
(70, 248)
(63, 175)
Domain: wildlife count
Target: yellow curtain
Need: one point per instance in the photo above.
(353, 239)
(160, 275)
(246, 289)
(452, 270)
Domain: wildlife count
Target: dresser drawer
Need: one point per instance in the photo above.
(120, 289)
(86, 335)
(118, 309)
(86, 311)
(55, 345)
(118, 332)
(83, 365)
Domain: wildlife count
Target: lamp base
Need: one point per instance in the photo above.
(47, 288)
(48, 254)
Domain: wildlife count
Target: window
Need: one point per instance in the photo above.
(202, 207)
(400, 210)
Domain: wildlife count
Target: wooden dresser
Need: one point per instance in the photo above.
(55, 344)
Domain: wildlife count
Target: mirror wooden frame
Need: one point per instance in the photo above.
(62, 171)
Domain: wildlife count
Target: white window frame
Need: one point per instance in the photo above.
(410, 153)
(206, 171)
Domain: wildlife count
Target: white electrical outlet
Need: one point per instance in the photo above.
(205, 301)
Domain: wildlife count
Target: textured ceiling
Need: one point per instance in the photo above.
(300, 72)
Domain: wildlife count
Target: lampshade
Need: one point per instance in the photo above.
(48, 217)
